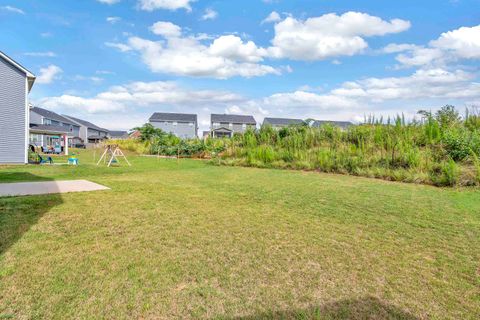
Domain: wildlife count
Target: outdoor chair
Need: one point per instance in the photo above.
(45, 159)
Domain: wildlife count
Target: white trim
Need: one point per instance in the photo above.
(27, 122)
(17, 65)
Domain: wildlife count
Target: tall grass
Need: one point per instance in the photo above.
(441, 149)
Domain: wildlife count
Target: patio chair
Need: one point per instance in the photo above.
(57, 149)
(45, 159)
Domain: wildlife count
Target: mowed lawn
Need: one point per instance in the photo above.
(186, 239)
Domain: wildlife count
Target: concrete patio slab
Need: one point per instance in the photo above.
(47, 187)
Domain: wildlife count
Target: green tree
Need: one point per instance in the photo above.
(448, 116)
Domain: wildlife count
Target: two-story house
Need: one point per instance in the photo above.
(15, 85)
(181, 125)
(341, 124)
(226, 125)
(278, 123)
(48, 128)
(90, 133)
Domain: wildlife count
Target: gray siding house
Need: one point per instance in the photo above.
(180, 124)
(90, 133)
(119, 135)
(282, 122)
(226, 125)
(15, 84)
(46, 125)
(341, 124)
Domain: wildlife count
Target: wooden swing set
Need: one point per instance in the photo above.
(112, 151)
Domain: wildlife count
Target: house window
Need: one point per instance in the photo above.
(216, 124)
(190, 124)
(230, 125)
(244, 126)
(175, 123)
(47, 121)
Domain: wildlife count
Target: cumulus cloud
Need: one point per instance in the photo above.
(209, 14)
(141, 94)
(330, 35)
(272, 17)
(150, 5)
(225, 57)
(48, 74)
(462, 43)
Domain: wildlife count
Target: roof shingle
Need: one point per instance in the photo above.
(282, 121)
(52, 115)
(179, 117)
(233, 118)
(87, 124)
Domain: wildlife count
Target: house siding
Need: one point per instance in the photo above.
(13, 114)
(181, 130)
(236, 127)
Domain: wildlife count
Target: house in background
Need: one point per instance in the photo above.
(341, 124)
(118, 135)
(181, 125)
(226, 125)
(15, 85)
(279, 123)
(48, 128)
(90, 133)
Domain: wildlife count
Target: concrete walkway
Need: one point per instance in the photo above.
(32, 188)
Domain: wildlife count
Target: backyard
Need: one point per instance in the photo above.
(187, 239)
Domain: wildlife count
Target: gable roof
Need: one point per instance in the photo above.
(233, 118)
(180, 117)
(282, 121)
(341, 124)
(86, 124)
(115, 134)
(52, 115)
(30, 76)
(43, 128)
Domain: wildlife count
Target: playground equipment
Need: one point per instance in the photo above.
(112, 151)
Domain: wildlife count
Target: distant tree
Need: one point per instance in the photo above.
(448, 116)
(147, 132)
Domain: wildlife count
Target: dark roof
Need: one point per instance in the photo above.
(48, 128)
(233, 118)
(282, 121)
(179, 117)
(86, 124)
(118, 133)
(341, 124)
(52, 115)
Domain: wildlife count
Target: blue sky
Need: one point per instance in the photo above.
(117, 61)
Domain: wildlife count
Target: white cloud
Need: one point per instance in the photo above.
(451, 46)
(48, 74)
(330, 35)
(150, 5)
(225, 57)
(463, 42)
(41, 54)
(109, 2)
(209, 14)
(113, 20)
(12, 9)
(138, 95)
(272, 17)
(119, 46)
(46, 34)
(166, 29)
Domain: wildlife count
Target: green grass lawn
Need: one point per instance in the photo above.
(185, 239)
